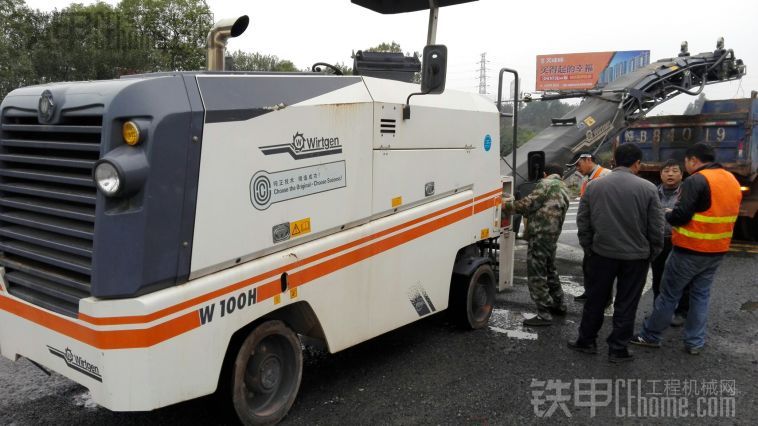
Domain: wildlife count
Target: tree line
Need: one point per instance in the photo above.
(100, 41)
(533, 117)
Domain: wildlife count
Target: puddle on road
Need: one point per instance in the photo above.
(572, 284)
(749, 306)
(509, 323)
(85, 400)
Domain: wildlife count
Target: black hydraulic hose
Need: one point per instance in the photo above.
(720, 60)
(705, 75)
(687, 92)
(704, 80)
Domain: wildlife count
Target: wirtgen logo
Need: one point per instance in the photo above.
(77, 363)
(302, 147)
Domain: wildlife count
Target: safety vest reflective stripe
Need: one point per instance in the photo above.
(712, 219)
(702, 235)
(711, 231)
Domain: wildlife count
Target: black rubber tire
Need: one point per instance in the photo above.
(746, 229)
(473, 298)
(266, 374)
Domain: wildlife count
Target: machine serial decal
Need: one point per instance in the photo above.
(227, 306)
(267, 188)
(302, 147)
(76, 362)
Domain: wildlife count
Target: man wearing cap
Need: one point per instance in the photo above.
(585, 164)
(702, 224)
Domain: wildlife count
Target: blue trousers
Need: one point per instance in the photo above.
(682, 269)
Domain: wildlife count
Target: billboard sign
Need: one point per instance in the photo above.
(578, 71)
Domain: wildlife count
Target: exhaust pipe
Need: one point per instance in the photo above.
(218, 36)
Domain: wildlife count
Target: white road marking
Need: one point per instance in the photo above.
(505, 322)
(516, 334)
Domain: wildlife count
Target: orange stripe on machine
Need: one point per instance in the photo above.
(146, 337)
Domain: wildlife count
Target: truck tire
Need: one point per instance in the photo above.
(266, 374)
(473, 297)
(746, 229)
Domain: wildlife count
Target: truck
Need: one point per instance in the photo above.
(171, 235)
(730, 126)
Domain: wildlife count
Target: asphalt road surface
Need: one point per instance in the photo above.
(430, 372)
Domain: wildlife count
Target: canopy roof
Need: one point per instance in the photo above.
(402, 6)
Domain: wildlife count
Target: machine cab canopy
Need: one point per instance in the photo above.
(402, 6)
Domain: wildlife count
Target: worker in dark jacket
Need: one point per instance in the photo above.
(703, 222)
(620, 223)
(668, 192)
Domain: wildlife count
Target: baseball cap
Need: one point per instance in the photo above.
(579, 157)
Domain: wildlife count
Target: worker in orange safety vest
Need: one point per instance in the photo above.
(702, 224)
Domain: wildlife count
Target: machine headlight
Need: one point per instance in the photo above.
(107, 178)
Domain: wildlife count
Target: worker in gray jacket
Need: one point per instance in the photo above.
(621, 224)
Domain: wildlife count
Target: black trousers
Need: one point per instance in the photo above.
(585, 272)
(586, 282)
(658, 264)
(630, 276)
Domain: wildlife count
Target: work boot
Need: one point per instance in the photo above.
(639, 341)
(542, 319)
(620, 357)
(678, 320)
(559, 309)
(692, 350)
(582, 347)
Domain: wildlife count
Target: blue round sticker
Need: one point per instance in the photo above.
(487, 142)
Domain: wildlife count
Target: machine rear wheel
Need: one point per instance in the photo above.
(266, 374)
(474, 298)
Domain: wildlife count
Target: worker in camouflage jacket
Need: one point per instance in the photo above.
(545, 208)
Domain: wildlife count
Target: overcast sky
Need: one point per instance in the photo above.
(512, 33)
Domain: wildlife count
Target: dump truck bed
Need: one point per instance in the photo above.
(727, 125)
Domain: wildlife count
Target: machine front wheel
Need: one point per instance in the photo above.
(266, 374)
(474, 297)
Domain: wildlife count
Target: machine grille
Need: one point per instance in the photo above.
(47, 206)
